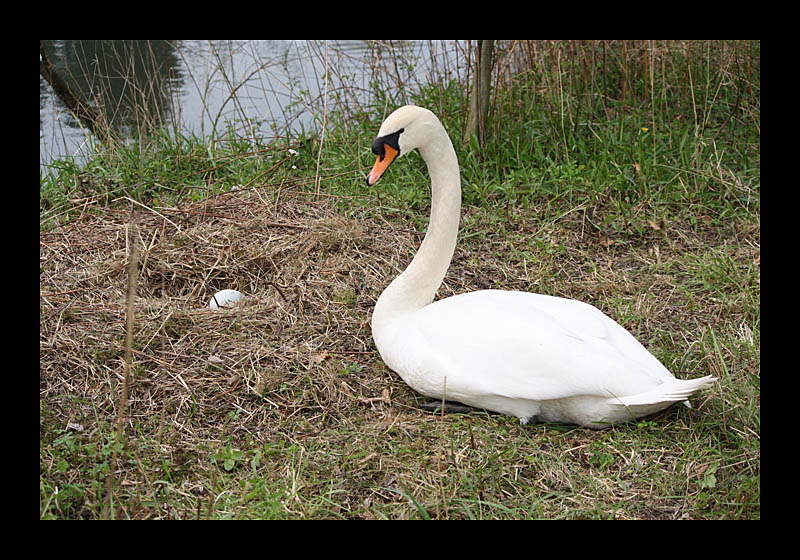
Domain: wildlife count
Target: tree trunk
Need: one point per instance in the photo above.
(479, 100)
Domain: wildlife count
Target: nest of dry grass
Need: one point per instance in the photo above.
(295, 361)
(311, 277)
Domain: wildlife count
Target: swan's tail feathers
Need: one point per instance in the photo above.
(674, 390)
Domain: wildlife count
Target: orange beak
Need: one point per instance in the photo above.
(381, 164)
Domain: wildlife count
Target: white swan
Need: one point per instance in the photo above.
(537, 357)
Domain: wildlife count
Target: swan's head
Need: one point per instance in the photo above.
(407, 128)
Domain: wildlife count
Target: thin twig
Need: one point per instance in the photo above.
(133, 264)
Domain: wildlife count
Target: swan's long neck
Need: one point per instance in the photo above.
(417, 285)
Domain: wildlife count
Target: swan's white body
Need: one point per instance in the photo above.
(537, 357)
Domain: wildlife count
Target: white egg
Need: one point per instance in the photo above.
(225, 298)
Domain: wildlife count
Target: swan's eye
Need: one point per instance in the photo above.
(392, 140)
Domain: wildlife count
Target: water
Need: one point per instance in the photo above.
(204, 87)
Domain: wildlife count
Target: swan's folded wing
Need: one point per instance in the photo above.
(527, 346)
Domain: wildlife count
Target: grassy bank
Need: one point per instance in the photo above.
(624, 175)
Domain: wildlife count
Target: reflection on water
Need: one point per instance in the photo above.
(206, 87)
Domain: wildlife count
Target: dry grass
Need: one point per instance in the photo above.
(282, 407)
(309, 275)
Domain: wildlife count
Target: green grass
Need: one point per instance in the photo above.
(639, 195)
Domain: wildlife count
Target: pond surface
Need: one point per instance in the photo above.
(204, 87)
